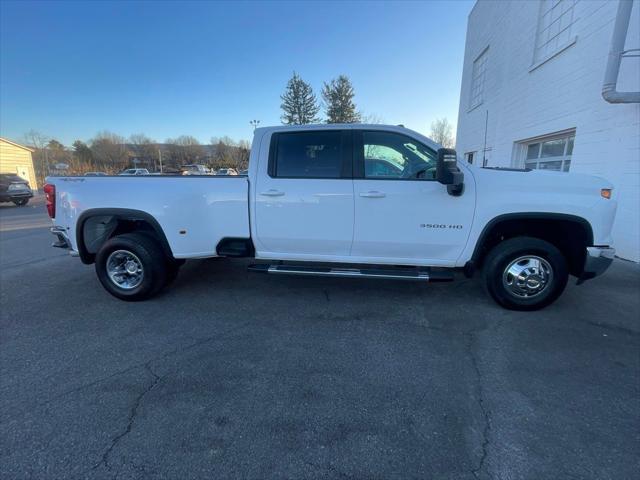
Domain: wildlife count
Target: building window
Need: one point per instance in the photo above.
(552, 152)
(469, 157)
(477, 80)
(554, 28)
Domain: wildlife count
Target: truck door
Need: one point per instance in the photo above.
(304, 196)
(402, 214)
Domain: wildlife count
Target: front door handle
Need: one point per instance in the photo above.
(373, 194)
(272, 193)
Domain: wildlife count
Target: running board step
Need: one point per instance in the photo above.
(416, 274)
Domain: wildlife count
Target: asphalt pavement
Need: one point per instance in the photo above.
(230, 374)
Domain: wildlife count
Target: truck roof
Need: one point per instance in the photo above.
(342, 126)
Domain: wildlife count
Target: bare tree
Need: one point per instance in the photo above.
(370, 118)
(244, 149)
(109, 151)
(441, 132)
(38, 141)
(222, 152)
(34, 138)
(144, 149)
(185, 150)
(229, 153)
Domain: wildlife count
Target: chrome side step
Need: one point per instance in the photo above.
(415, 274)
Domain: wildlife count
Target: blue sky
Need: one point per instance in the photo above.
(71, 69)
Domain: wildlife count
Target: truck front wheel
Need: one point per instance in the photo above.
(131, 266)
(525, 273)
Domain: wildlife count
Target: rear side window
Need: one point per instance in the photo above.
(307, 155)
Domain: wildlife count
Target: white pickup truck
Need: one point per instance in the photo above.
(346, 201)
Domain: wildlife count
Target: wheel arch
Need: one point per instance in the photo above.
(114, 221)
(552, 227)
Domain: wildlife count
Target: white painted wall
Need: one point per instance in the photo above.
(562, 93)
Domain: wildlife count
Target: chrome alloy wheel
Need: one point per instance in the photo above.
(527, 276)
(125, 269)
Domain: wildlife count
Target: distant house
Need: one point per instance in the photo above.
(16, 158)
(534, 95)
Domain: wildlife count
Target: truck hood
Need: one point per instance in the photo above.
(501, 192)
(542, 180)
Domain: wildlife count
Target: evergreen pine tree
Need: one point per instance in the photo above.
(299, 104)
(338, 97)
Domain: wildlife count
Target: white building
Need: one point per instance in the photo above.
(532, 96)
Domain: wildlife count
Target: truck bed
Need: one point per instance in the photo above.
(195, 212)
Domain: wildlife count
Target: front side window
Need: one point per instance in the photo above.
(389, 155)
(308, 154)
(549, 153)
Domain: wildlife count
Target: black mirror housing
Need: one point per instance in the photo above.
(447, 171)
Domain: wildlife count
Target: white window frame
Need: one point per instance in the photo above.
(553, 33)
(478, 79)
(522, 146)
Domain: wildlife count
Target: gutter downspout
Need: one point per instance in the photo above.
(609, 92)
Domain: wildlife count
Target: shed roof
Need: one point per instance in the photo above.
(16, 144)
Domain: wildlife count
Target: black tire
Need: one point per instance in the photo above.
(515, 294)
(173, 268)
(173, 264)
(20, 202)
(148, 252)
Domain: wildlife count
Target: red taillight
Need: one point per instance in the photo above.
(50, 194)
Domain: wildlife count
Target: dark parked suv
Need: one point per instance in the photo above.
(14, 189)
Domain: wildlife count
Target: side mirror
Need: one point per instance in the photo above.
(448, 173)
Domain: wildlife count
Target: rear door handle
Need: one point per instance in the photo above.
(373, 194)
(272, 193)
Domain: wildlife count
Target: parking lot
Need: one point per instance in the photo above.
(236, 375)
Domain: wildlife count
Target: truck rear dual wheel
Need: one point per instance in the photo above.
(133, 267)
(525, 273)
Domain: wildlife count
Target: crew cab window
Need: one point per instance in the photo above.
(390, 155)
(308, 155)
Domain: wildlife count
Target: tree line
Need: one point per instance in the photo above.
(111, 153)
(300, 106)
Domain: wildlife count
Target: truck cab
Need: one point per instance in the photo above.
(346, 200)
(358, 196)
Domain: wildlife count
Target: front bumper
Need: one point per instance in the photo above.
(596, 262)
